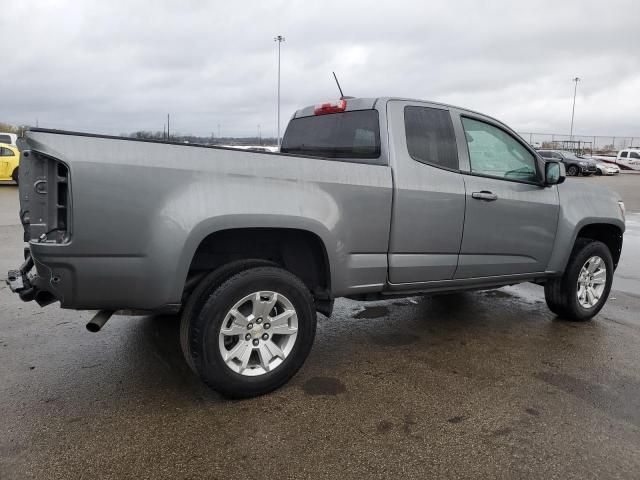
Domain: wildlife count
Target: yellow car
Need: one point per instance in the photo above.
(9, 161)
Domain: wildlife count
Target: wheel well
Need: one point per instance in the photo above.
(606, 233)
(298, 251)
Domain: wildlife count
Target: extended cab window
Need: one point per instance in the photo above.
(348, 135)
(494, 152)
(430, 136)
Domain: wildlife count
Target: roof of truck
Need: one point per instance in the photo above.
(365, 103)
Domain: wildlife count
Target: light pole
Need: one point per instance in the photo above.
(573, 111)
(279, 39)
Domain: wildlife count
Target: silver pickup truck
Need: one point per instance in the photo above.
(369, 198)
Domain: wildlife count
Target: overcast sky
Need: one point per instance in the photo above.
(119, 66)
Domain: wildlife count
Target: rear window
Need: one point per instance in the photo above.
(347, 135)
(5, 139)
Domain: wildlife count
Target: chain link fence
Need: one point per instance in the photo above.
(596, 144)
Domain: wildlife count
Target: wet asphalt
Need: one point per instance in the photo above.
(472, 385)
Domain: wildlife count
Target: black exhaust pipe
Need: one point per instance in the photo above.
(98, 321)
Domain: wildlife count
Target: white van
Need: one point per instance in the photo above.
(9, 138)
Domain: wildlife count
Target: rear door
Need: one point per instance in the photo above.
(429, 196)
(510, 220)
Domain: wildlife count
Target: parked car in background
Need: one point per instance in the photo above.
(9, 161)
(258, 149)
(630, 157)
(574, 164)
(8, 138)
(604, 168)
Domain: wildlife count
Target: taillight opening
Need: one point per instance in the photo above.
(330, 107)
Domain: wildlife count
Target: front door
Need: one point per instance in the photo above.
(511, 220)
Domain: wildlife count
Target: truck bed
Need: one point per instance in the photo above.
(127, 215)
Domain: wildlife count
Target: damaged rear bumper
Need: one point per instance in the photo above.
(22, 281)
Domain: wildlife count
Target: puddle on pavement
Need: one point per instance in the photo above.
(323, 386)
(372, 312)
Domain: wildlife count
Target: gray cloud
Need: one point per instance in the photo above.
(120, 66)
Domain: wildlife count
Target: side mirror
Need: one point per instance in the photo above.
(554, 173)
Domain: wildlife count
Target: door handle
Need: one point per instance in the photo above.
(484, 195)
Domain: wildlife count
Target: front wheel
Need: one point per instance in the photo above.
(584, 287)
(253, 333)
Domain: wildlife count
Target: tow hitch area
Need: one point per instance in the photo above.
(18, 280)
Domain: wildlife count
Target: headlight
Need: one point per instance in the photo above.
(582, 164)
(622, 209)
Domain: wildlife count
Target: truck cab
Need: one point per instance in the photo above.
(630, 157)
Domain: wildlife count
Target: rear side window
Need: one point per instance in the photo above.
(5, 139)
(348, 135)
(430, 136)
(5, 152)
(634, 155)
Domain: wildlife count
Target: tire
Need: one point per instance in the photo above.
(257, 369)
(572, 171)
(598, 172)
(14, 175)
(561, 294)
(201, 293)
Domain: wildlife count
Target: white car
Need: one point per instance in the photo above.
(607, 169)
(8, 138)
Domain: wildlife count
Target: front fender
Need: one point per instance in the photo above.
(581, 205)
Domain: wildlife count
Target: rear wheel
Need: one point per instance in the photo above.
(572, 170)
(253, 332)
(14, 175)
(198, 297)
(585, 285)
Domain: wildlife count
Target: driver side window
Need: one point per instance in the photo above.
(495, 153)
